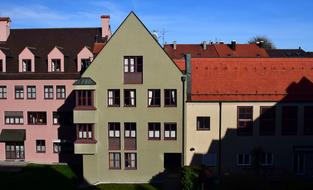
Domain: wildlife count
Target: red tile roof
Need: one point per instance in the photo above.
(97, 47)
(215, 50)
(251, 79)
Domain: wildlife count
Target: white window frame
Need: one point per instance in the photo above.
(244, 155)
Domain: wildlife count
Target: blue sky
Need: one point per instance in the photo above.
(288, 23)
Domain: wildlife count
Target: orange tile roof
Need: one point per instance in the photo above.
(240, 50)
(251, 79)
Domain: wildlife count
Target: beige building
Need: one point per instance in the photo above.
(128, 112)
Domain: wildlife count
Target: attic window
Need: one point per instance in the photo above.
(1, 65)
(27, 65)
(56, 65)
(85, 64)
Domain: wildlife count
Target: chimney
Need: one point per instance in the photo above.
(4, 28)
(174, 45)
(204, 45)
(233, 44)
(105, 25)
(260, 43)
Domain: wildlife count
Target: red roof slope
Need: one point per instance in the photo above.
(240, 50)
(196, 50)
(252, 79)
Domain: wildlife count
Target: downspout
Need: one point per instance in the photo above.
(183, 78)
(220, 141)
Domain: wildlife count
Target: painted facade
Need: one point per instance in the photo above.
(108, 72)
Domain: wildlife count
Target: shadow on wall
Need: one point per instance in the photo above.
(67, 134)
(274, 132)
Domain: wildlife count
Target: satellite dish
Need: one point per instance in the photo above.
(155, 35)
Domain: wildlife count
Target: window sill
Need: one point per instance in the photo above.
(204, 129)
(37, 123)
(170, 139)
(85, 108)
(170, 106)
(154, 139)
(126, 106)
(41, 152)
(113, 106)
(130, 168)
(81, 141)
(156, 106)
(114, 168)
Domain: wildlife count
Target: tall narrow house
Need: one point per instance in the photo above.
(128, 109)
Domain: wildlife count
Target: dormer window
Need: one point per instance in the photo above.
(84, 64)
(26, 65)
(56, 60)
(56, 65)
(1, 65)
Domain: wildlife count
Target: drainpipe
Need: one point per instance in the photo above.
(183, 78)
(220, 141)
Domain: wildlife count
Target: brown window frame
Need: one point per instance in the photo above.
(37, 115)
(3, 92)
(84, 99)
(115, 166)
(129, 127)
(128, 161)
(88, 129)
(129, 98)
(168, 100)
(137, 66)
(31, 92)
(154, 98)
(41, 146)
(154, 125)
(286, 121)
(116, 98)
(59, 63)
(48, 93)
(19, 92)
(246, 130)
(114, 126)
(198, 123)
(25, 70)
(14, 118)
(60, 92)
(172, 127)
(263, 128)
(308, 120)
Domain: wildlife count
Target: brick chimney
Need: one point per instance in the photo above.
(4, 28)
(105, 25)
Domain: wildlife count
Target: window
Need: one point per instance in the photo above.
(56, 65)
(84, 131)
(85, 64)
(115, 160)
(154, 131)
(26, 65)
(133, 64)
(84, 98)
(267, 121)
(1, 65)
(130, 161)
(170, 97)
(37, 118)
(133, 69)
(266, 159)
(61, 94)
(129, 97)
(203, 123)
(40, 146)
(308, 120)
(244, 159)
(55, 118)
(244, 121)
(31, 92)
(48, 92)
(170, 131)
(19, 92)
(130, 130)
(154, 98)
(56, 147)
(114, 130)
(289, 120)
(113, 97)
(13, 117)
(3, 92)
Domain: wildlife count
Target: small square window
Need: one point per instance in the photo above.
(129, 97)
(56, 65)
(26, 65)
(40, 146)
(203, 123)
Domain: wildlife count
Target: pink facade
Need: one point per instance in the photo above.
(3, 58)
(48, 132)
(55, 54)
(26, 54)
(85, 53)
(4, 28)
(105, 24)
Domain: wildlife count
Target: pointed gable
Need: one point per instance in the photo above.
(27, 60)
(84, 54)
(2, 60)
(56, 60)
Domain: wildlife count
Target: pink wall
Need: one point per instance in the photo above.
(105, 25)
(47, 132)
(4, 28)
(26, 54)
(85, 53)
(3, 57)
(55, 53)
